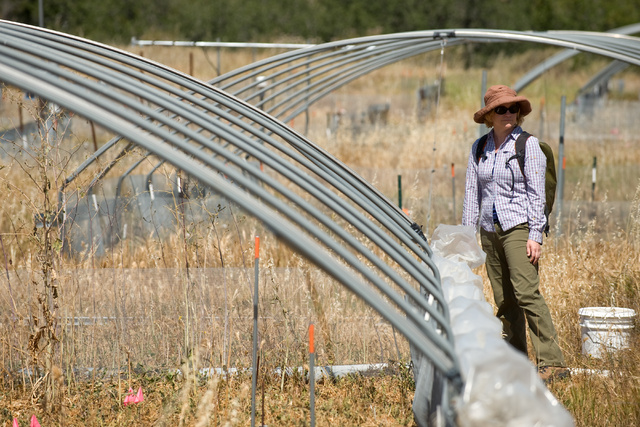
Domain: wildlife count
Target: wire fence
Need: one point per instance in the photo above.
(161, 220)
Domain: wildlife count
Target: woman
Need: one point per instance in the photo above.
(509, 209)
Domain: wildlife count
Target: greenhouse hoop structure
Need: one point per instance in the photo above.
(230, 136)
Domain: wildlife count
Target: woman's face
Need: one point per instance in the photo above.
(505, 117)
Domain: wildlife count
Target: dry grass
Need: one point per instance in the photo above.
(379, 399)
(596, 272)
(172, 302)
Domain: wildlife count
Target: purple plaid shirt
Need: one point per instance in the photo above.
(492, 181)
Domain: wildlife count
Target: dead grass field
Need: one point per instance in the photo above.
(176, 303)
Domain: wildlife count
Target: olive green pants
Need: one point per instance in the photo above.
(515, 284)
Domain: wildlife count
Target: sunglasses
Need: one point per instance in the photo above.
(503, 110)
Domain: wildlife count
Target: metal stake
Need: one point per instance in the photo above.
(254, 355)
(312, 377)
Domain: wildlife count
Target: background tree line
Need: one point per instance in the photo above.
(116, 21)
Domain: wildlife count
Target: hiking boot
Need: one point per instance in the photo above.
(552, 373)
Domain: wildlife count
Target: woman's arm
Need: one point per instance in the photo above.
(471, 206)
(535, 167)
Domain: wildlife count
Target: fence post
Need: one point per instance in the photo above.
(400, 191)
(453, 190)
(219, 70)
(482, 129)
(593, 179)
(561, 165)
(542, 117)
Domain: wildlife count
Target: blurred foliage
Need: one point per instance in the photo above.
(117, 21)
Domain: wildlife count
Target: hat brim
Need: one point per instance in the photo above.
(525, 107)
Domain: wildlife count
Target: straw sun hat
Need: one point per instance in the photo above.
(500, 95)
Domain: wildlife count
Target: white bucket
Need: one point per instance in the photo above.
(605, 329)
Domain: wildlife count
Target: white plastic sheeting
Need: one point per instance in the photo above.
(502, 387)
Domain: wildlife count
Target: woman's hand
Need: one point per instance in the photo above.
(534, 250)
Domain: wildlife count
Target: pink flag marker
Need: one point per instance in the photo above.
(15, 422)
(128, 398)
(133, 398)
(139, 396)
(34, 422)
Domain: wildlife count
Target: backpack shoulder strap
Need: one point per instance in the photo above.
(482, 143)
(521, 149)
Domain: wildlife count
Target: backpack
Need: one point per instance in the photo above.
(550, 181)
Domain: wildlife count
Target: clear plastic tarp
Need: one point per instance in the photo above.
(502, 387)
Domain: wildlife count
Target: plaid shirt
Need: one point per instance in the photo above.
(492, 181)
